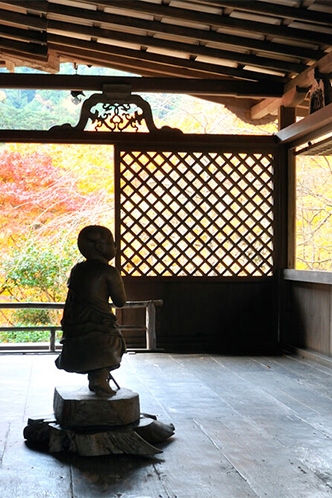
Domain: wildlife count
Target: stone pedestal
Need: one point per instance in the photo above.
(89, 425)
(79, 407)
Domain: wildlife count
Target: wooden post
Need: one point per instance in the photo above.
(52, 339)
(151, 340)
(286, 116)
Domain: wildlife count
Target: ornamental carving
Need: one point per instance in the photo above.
(116, 110)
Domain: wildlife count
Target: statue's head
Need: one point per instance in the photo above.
(96, 241)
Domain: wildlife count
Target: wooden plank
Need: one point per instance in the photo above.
(275, 450)
(31, 474)
(31, 21)
(132, 375)
(14, 384)
(305, 373)
(287, 116)
(194, 466)
(4, 431)
(290, 202)
(269, 468)
(116, 476)
(311, 317)
(297, 399)
(192, 457)
(26, 386)
(244, 427)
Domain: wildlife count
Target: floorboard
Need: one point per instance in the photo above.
(246, 427)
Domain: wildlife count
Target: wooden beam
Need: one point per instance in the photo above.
(307, 128)
(265, 107)
(295, 90)
(291, 98)
(41, 63)
(163, 139)
(307, 78)
(156, 85)
(62, 44)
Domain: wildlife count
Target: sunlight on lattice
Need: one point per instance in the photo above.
(196, 213)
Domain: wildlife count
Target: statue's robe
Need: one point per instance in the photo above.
(91, 338)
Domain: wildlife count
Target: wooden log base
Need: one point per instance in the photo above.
(133, 439)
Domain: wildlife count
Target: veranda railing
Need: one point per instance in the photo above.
(150, 320)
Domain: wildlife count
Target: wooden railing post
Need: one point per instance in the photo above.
(52, 339)
(150, 320)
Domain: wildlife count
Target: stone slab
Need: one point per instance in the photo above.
(79, 407)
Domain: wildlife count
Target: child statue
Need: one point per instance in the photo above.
(92, 341)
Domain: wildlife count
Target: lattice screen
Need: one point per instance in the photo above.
(196, 213)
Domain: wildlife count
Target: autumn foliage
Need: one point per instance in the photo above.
(33, 191)
(48, 193)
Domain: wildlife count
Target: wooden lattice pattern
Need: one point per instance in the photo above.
(196, 213)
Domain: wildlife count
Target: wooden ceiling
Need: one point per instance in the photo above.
(260, 54)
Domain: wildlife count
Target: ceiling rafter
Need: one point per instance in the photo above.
(31, 21)
(27, 35)
(260, 8)
(220, 21)
(157, 27)
(192, 49)
(259, 42)
(279, 11)
(39, 6)
(27, 48)
(157, 58)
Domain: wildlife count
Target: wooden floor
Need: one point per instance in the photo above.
(245, 427)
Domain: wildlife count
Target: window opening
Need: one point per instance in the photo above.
(48, 193)
(314, 205)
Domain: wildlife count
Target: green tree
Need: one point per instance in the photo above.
(36, 273)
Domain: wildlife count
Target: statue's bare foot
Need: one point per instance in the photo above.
(98, 382)
(104, 391)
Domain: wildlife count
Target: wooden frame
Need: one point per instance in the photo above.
(179, 321)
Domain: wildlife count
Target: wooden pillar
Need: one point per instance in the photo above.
(286, 116)
(287, 203)
(291, 218)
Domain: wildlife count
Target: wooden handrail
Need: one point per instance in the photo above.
(150, 319)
